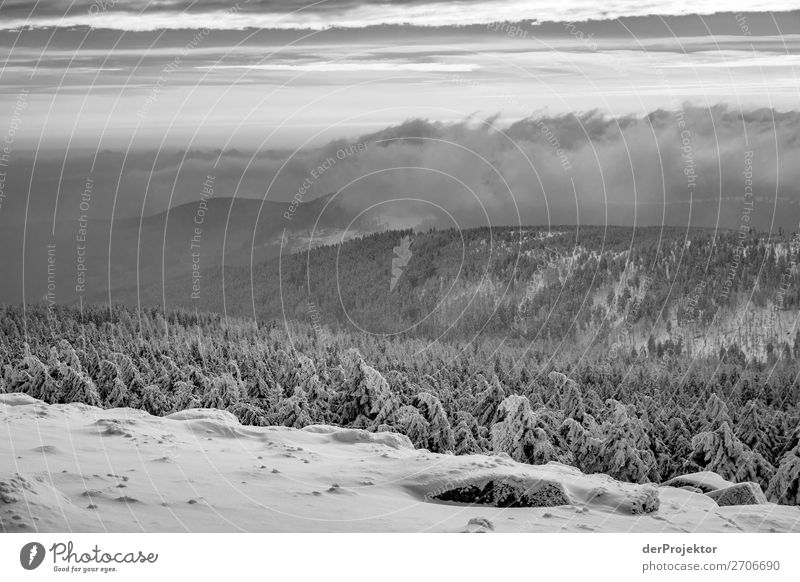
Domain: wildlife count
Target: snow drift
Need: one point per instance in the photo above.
(79, 468)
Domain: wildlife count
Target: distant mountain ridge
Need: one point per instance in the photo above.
(148, 251)
(605, 288)
(608, 289)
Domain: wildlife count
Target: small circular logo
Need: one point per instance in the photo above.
(31, 555)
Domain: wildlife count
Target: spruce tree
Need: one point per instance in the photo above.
(364, 390)
(249, 414)
(464, 434)
(40, 384)
(785, 484)
(388, 409)
(755, 468)
(467, 434)
(572, 402)
(185, 397)
(716, 412)
(211, 395)
(720, 451)
(155, 401)
(517, 434)
(440, 434)
(750, 428)
(624, 453)
(294, 411)
(679, 447)
(316, 392)
(107, 374)
(580, 444)
(78, 387)
(229, 390)
(131, 378)
(68, 356)
(490, 395)
(413, 425)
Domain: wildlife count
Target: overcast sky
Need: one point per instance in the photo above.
(119, 91)
(287, 73)
(298, 14)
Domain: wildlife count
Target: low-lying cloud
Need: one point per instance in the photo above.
(676, 168)
(585, 168)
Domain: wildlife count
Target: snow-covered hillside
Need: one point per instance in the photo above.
(80, 468)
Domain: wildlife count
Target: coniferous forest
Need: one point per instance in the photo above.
(637, 417)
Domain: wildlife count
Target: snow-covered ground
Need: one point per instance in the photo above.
(79, 468)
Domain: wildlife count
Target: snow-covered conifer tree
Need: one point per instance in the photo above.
(185, 397)
(755, 468)
(751, 430)
(294, 411)
(785, 484)
(440, 435)
(76, 386)
(517, 434)
(572, 402)
(130, 377)
(388, 409)
(364, 389)
(40, 384)
(316, 392)
(413, 425)
(490, 395)
(249, 414)
(67, 355)
(720, 451)
(464, 434)
(624, 453)
(582, 446)
(155, 400)
(716, 412)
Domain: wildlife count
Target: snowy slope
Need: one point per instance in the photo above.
(79, 468)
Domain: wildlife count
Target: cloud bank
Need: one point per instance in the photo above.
(677, 168)
(140, 15)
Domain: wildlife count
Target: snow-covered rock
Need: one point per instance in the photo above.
(17, 399)
(704, 480)
(204, 414)
(748, 493)
(507, 492)
(723, 492)
(354, 435)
